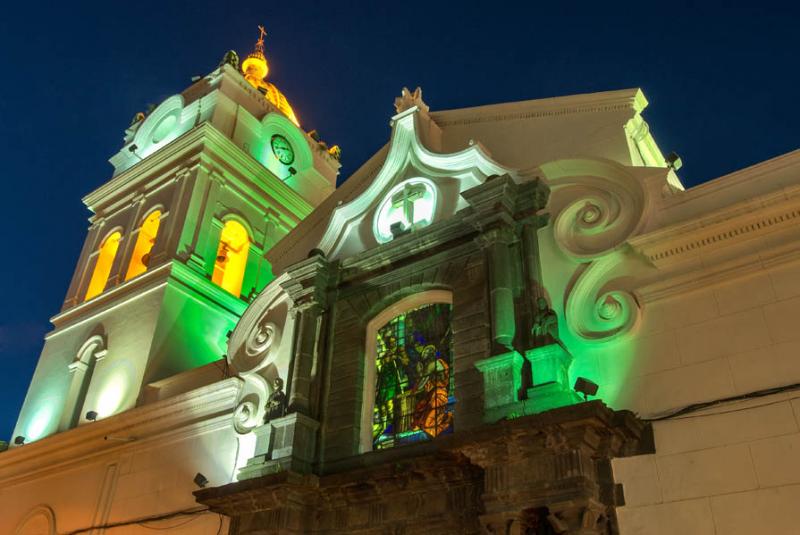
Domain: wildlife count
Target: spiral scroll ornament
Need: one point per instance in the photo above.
(599, 214)
(245, 417)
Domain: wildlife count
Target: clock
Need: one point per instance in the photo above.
(282, 150)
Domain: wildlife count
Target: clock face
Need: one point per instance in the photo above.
(282, 149)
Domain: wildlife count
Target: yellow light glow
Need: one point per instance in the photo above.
(102, 267)
(255, 69)
(144, 244)
(231, 260)
(115, 383)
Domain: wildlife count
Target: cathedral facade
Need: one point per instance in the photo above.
(512, 319)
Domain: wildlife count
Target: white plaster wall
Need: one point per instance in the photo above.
(127, 341)
(141, 480)
(733, 469)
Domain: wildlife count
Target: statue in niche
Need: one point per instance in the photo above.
(545, 326)
(276, 402)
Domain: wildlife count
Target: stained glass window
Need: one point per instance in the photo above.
(414, 380)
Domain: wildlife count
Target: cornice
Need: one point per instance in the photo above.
(180, 416)
(141, 286)
(187, 151)
(118, 295)
(706, 276)
(757, 173)
(626, 99)
(778, 210)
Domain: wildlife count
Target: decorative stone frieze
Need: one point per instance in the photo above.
(548, 473)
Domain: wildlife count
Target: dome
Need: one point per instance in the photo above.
(255, 69)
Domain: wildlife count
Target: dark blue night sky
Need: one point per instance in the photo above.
(721, 83)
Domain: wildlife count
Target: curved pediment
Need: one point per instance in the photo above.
(414, 187)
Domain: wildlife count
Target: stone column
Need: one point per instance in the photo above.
(307, 286)
(303, 368)
(496, 243)
(493, 204)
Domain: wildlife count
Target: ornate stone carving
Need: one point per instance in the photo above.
(599, 206)
(230, 58)
(244, 417)
(407, 100)
(538, 475)
(276, 403)
(545, 325)
(255, 342)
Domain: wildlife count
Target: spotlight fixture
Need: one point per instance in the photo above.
(91, 416)
(586, 387)
(674, 161)
(133, 148)
(19, 440)
(200, 480)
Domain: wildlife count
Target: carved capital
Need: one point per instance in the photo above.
(307, 282)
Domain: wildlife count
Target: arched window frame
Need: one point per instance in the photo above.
(221, 223)
(81, 370)
(137, 234)
(95, 257)
(42, 513)
(428, 297)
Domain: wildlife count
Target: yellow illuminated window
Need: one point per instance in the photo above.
(144, 243)
(102, 267)
(231, 257)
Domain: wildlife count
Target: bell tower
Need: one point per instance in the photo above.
(203, 186)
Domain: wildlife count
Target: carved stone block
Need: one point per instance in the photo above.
(502, 377)
(286, 443)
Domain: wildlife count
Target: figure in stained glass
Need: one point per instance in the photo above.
(414, 388)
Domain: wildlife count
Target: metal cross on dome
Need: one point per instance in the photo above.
(405, 199)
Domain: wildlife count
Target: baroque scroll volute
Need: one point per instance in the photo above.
(596, 206)
(257, 354)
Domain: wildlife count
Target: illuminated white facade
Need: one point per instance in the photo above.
(667, 299)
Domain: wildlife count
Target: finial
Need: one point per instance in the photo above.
(255, 67)
(260, 42)
(407, 100)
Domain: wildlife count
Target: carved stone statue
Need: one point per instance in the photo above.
(230, 58)
(545, 326)
(276, 402)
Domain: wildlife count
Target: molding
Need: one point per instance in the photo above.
(717, 273)
(204, 144)
(767, 214)
(406, 151)
(626, 99)
(184, 415)
(129, 290)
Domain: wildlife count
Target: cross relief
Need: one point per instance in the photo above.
(405, 200)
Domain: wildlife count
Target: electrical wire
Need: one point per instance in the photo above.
(143, 520)
(681, 414)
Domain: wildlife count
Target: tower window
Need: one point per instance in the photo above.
(144, 244)
(102, 267)
(231, 260)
